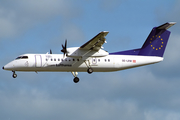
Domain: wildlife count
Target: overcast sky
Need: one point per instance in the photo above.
(34, 26)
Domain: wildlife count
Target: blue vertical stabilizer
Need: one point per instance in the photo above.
(157, 40)
(155, 43)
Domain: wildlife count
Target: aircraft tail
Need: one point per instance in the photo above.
(156, 42)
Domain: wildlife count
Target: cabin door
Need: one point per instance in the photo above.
(38, 61)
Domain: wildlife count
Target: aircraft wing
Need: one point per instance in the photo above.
(96, 42)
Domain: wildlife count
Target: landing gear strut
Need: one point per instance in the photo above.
(76, 79)
(14, 74)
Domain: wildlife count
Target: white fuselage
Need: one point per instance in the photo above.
(57, 62)
(90, 57)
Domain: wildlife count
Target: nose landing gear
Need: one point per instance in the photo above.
(14, 74)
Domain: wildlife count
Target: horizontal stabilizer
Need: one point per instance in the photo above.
(166, 25)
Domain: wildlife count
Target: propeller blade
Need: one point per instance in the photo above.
(66, 44)
(64, 48)
(50, 51)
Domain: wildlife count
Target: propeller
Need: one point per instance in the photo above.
(50, 51)
(64, 50)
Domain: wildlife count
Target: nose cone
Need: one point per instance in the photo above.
(8, 66)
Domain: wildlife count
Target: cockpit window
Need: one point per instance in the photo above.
(18, 58)
(22, 57)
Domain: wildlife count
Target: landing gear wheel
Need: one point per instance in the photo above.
(14, 75)
(76, 80)
(90, 70)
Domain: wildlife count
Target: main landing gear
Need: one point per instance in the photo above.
(14, 74)
(90, 70)
(76, 79)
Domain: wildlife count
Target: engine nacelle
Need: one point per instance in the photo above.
(78, 52)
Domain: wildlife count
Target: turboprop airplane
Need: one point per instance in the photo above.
(91, 57)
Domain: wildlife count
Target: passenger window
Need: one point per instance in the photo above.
(77, 59)
(54, 59)
(108, 60)
(73, 59)
(61, 59)
(105, 60)
(58, 59)
(51, 59)
(99, 60)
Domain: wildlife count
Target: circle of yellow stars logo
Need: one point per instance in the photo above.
(157, 47)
